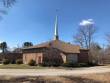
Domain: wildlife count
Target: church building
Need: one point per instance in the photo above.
(55, 51)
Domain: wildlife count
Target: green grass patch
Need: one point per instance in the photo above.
(21, 66)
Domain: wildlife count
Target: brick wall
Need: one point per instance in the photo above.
(83, 56)
(42, 55)
(32, 56)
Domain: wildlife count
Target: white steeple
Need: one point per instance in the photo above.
(56, 37)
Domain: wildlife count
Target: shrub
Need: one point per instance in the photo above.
(6, 61)
(19, 61)
(83, 65)
(46, 64)
(92, 64)
(57, 62)
(49, 64)
(32, 62)
(13, 62)
(53, 62)
(69, 64)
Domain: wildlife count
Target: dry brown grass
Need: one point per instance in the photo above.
(103, 78)
(91, 78)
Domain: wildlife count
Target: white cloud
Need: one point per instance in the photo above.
(86, 22)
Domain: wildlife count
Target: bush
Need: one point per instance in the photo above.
(50, 64)
(69, 64)
(19, 61)
(83, 65)
(13, 62)
(75, 64)
(6, 61)
(32, 63)
(53, 62)
(56, 62)
(46, 64)
(92, 64)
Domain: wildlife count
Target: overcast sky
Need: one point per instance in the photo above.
(33, 20)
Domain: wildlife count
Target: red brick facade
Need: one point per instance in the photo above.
(55, 52)
(51, 55)
(42, 55)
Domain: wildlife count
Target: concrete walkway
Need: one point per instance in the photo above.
(54, 72)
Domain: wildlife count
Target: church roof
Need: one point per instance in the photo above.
(60, 45)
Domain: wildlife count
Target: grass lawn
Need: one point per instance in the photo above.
(24, 66)
(21, 66)
(93, 78)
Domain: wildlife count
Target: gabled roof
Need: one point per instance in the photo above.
(60, 45)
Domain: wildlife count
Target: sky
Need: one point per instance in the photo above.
(33, 20)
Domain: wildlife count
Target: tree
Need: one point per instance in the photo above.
(108, 38)
(85, 33)
(95, 53)
(3, 47)
(17, 50)
(8, 3)
(79, 39)
(4, 5)
(107, 50)
(27, 44)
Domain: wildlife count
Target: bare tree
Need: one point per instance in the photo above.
(8, 3)
(95, 53)
(85, 34)
(17, 50)
(79, 39)
(4, 5)
(108, 38)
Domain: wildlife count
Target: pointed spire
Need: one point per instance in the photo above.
(56, 37)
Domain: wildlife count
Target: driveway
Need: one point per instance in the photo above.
(54, 72)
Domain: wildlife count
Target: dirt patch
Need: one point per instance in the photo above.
(90, 78)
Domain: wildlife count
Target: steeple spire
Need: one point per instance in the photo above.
(56, 37)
